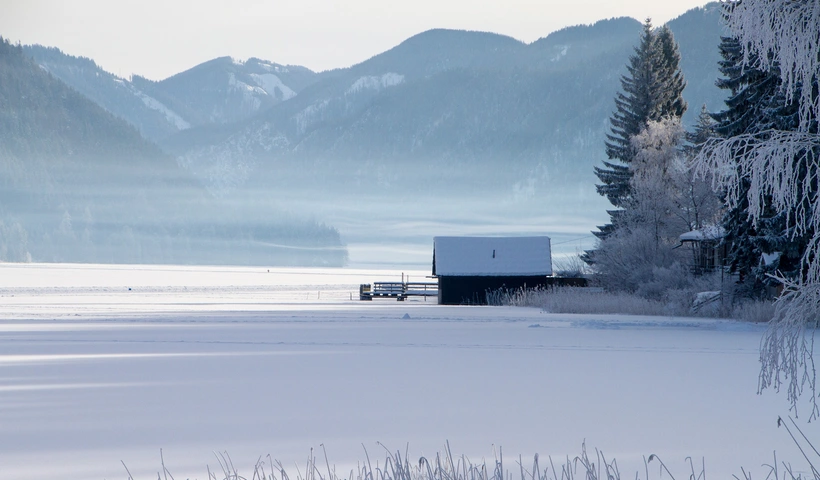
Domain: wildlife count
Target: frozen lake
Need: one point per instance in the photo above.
(103, 364)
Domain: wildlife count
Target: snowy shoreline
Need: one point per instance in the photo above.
(195, 360)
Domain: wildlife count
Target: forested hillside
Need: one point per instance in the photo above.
(116, 95)
(225, 90)
(79, 184)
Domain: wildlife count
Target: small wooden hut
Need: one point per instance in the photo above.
(468, 268)
(708, 249)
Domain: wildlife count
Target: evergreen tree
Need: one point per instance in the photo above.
(670, 97)
(756, 104)
(633, 108)
(704, 129)
(650, 91)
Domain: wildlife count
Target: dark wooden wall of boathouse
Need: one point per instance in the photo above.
(472, 290)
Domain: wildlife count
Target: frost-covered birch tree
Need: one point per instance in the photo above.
(780, 169)
(642, 256)
(656, 174)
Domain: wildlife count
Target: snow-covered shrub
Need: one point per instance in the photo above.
(662, 280)
(584, 301)
(681, 301)
(630, 260)
(755, 311)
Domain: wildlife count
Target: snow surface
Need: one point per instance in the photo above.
(561, 52)
(310, 114)
(102, 364)
(170, 115)
(244, 87)
(769, 258)
(270, 83)
(372, 82)
(482, 256)
(713, 232)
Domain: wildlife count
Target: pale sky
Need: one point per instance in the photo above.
(158, 38)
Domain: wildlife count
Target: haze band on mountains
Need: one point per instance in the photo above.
(259, 163)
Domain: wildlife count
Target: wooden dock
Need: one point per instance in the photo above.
(398, 290)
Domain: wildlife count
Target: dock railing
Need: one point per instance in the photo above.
(398, 290)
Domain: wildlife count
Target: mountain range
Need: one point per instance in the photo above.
(446, 118)
(442, 99)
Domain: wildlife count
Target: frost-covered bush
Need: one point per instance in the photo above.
(714, 302)
(628, 259)
(665, 280)
(633, 263)
(755, 311)
(584, 301)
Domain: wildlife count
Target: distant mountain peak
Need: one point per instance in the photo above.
(607, 28)
(220, 91)
(449, 34)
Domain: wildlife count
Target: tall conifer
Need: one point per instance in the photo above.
(704, 130)
(651, 90)
(756, 104)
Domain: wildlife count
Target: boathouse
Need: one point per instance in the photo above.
(468, 268)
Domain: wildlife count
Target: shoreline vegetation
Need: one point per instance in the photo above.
(589, 464)
(678, 303)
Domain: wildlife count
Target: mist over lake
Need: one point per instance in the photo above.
(259, 163)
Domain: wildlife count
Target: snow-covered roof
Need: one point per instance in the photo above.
(714, 232)
(768, 259)
(491, 256)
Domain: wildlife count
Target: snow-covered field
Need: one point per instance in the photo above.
(103, 364)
